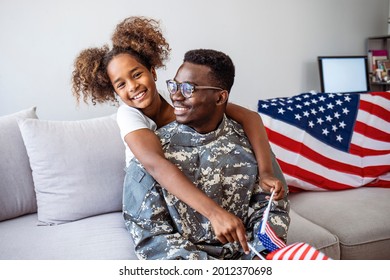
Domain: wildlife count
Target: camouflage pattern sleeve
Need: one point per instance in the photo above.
(148, 220)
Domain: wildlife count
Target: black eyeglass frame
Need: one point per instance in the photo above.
(190, 86)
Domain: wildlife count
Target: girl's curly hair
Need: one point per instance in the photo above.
(140, 37)
(144, 36)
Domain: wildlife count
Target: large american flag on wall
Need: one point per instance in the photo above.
(330, 141)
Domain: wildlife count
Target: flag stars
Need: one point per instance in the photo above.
(298, 117)
(347, 98)
(326, 116)
(325, 132)
(330, 106)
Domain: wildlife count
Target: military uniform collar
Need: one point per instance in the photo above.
(183, 135)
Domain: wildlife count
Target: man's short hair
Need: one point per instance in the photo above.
(221, 65)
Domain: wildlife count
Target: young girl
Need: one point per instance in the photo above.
(128, 70)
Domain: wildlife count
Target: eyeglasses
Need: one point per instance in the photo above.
(186, 89)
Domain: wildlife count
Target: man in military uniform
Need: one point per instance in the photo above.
(215, 154)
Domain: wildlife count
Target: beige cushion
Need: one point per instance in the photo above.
(303, 230)
(78, 167)
(358, 217)
(101, 237)
(17, 196)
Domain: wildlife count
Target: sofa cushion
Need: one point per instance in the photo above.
(17, 196)
(303, 230)
(330, 141)
(102, 237)
(78, 167)
(359, 218)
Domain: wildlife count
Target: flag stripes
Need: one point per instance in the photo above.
(310, 162)
(297, 251)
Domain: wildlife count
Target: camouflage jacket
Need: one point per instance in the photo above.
(220, 163)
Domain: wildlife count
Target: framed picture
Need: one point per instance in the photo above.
(386, 64)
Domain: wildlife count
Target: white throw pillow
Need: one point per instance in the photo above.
(78, 167)
(17, 196)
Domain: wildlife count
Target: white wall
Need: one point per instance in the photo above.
(274, 44)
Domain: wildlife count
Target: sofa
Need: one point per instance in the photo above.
(61, 198)
(61, 189)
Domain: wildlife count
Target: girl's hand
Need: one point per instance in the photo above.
(268, 183)
(229, 228)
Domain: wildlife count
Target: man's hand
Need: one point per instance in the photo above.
(229, 228)
(268, 183)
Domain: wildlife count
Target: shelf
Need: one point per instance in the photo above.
(379, 86)
(380, 83)
(381, 45)
(379, 37)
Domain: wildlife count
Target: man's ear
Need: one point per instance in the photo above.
(223, 97)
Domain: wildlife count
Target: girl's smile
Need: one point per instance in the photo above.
(132, 81)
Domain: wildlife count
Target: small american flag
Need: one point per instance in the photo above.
(297, 251)
(280, 251)
(269, 239)
(266, 235)
(327, 141)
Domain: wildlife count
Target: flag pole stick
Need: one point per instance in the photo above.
(266, 213)
(255, 251)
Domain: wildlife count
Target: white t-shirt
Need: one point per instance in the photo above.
(130, 119)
